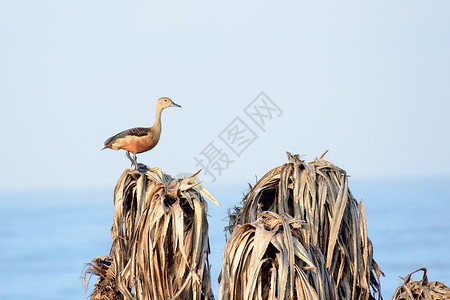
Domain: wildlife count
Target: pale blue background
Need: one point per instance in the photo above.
(367, 80)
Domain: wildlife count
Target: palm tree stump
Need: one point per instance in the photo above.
(160, 241)
(333, 222)
(422, 289)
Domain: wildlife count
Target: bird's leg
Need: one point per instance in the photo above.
(129, 157)
(135, 162)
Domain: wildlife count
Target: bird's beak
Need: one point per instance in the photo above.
(174, 105)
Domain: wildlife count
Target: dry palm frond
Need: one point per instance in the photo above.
(421, 290)
(160, 237)
(317, 193)
(269, 259)
(105, 288)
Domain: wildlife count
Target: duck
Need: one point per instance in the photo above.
(140, 139)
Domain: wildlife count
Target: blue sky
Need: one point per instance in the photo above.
(369, 81)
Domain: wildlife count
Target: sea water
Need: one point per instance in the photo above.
(47, 237)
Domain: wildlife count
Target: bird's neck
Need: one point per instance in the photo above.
(157, 125)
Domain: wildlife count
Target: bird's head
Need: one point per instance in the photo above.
(166, 102)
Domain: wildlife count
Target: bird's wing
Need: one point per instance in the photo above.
(138, 131)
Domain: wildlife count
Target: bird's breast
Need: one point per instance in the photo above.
(140, 144)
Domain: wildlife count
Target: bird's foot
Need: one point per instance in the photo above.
(142, 168)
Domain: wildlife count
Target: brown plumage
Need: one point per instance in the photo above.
(140, 139)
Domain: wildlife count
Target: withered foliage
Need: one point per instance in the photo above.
(317, 194)
(422, 289)
(160, 240)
